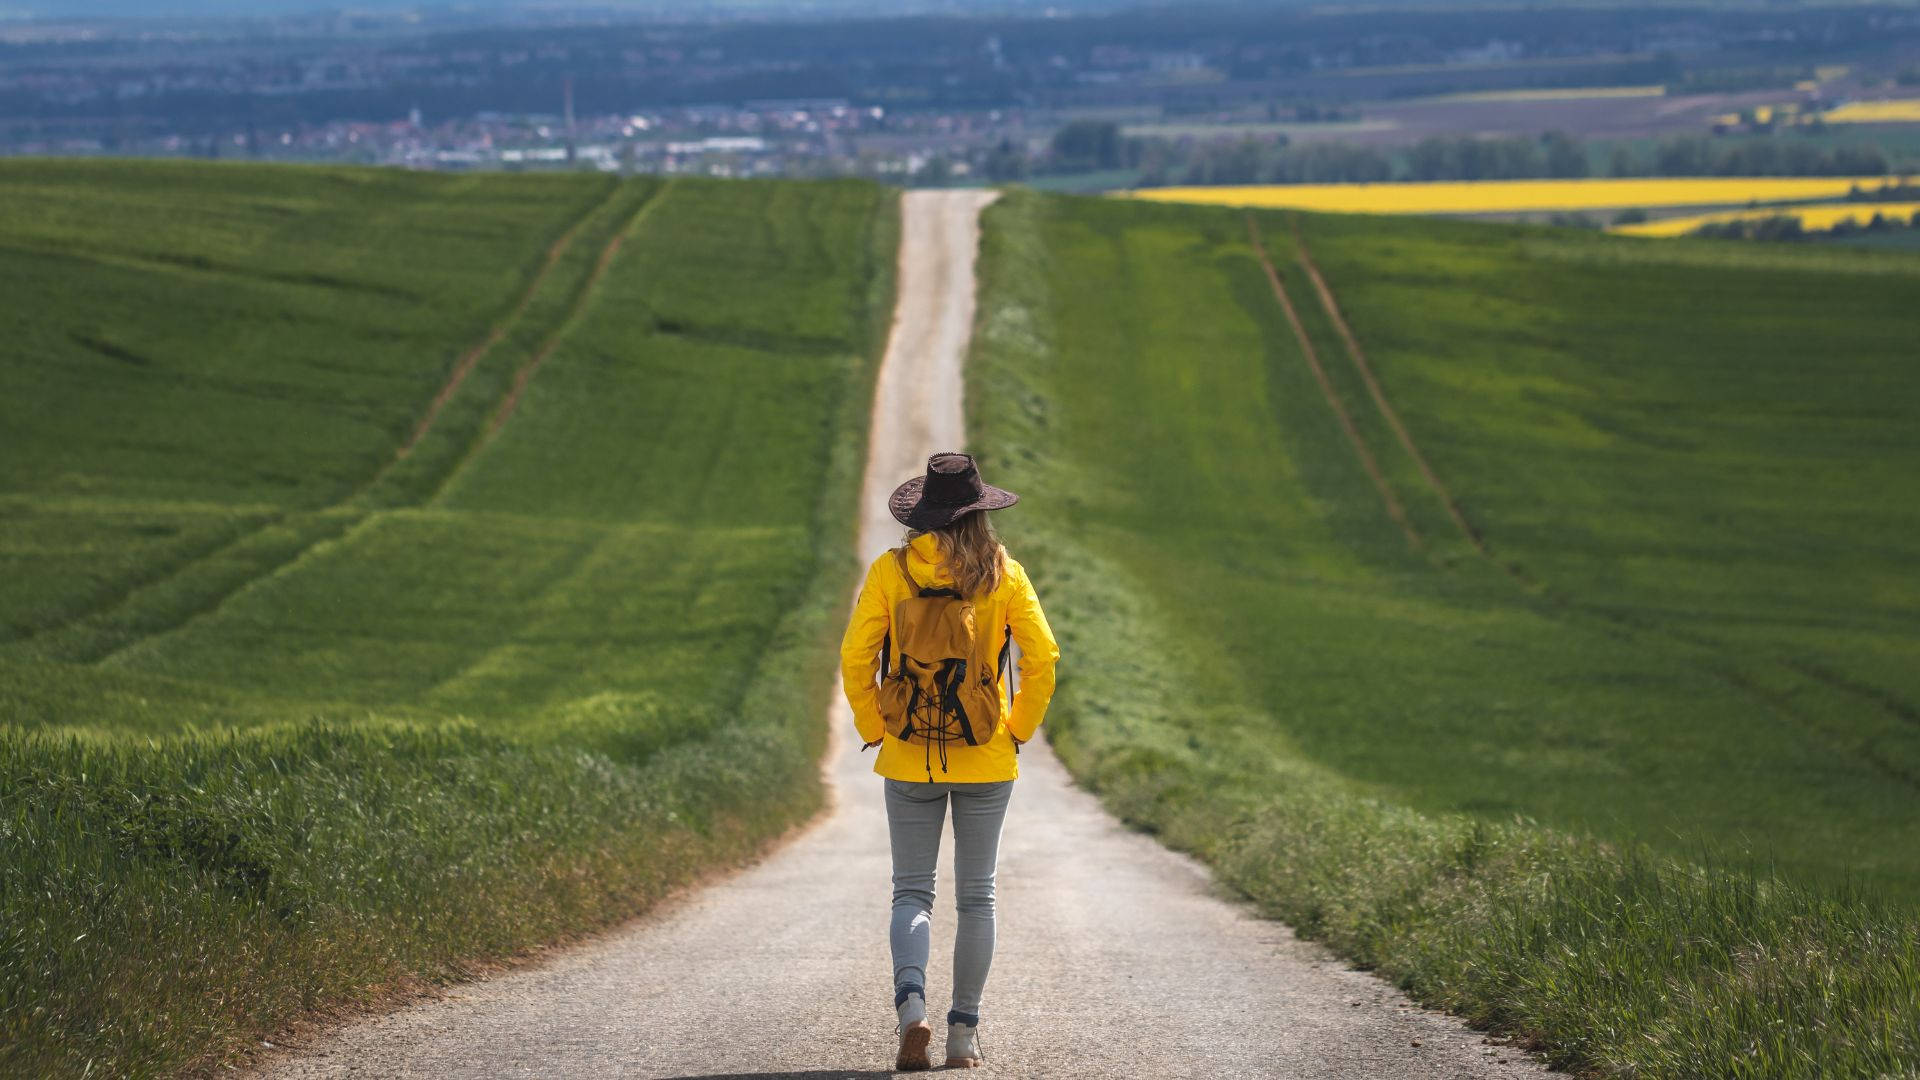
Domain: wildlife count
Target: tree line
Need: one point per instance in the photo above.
(1780, 227)
(1094, 146)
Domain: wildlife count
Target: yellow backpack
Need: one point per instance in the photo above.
(943, 689)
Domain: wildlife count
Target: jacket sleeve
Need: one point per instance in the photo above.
(860, 655)
(1039, 654)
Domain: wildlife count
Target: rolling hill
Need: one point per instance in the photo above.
(1519, 610)
(400, 571)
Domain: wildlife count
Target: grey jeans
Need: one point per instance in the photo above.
(915, 814)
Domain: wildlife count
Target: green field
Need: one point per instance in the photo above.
(399, 571)
(1591, 707)
(1894, 239)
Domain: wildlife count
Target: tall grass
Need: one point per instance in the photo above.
(166, 898)
(1261, 667)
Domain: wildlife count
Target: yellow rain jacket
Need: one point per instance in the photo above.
(1013, 604)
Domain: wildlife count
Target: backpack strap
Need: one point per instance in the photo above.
(913, 588)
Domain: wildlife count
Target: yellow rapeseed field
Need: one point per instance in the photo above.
(1904, 111)
(1497, 196)
(1811, 217)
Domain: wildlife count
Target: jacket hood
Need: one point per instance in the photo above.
(923, 558)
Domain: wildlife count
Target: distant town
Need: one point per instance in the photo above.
(1143, 97)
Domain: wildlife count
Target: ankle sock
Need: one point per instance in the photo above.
(911, 1003)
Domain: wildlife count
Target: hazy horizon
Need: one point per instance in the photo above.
(57, 9)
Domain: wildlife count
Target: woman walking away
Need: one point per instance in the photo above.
(924, 664)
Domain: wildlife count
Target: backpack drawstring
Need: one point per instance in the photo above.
(939, 731)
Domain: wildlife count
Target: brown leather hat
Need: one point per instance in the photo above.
(952, 487)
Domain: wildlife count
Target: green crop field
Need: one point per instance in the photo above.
(398, 571)
(1552, 646)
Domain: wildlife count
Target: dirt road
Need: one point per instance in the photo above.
(1116, 957)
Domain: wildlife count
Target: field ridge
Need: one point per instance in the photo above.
(201, 265)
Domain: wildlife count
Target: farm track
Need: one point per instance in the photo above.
(463, 367)
(472, 357)
(582, 300)
(1722, 664)
(1387, 411)
(1360, 448)
(1117, 958)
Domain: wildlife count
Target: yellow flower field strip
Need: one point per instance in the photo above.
(1497, 196)
(1811, 217)
(1904, 111)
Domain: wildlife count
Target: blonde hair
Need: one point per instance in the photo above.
(972, 552)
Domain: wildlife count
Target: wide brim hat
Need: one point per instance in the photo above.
(951, 487)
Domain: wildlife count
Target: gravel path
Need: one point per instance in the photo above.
(1116, 956)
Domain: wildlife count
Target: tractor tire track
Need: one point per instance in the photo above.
(1367, 461)
(1722, 667)
(463, 367)
(472, 357)
(1392, 416)
(576, 307)
(582, 300)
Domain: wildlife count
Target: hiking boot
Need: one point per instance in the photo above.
(915, 1034)
(963, 1046)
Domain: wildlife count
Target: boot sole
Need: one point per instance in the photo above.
(963, 1063)
(913, 1048)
